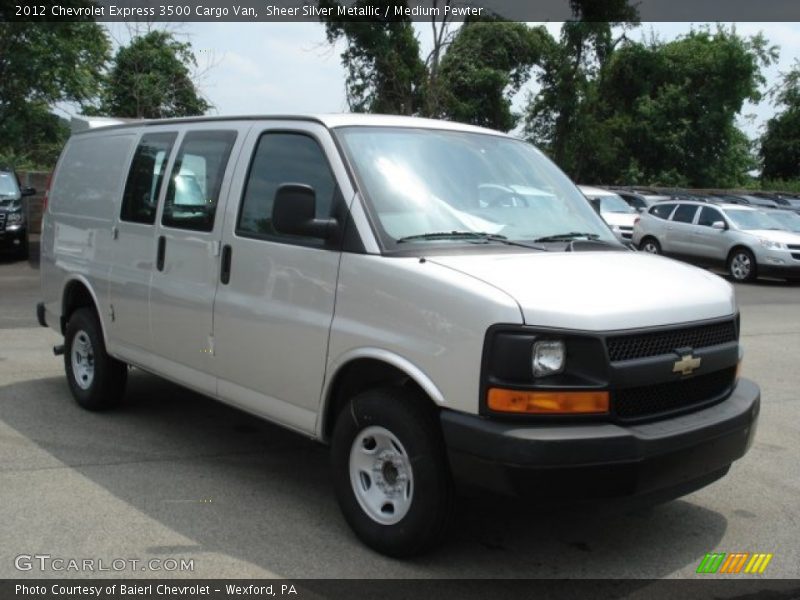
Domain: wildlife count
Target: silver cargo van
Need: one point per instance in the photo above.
(437, 302)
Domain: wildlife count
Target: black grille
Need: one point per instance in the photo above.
(651, 400)
(2, 221)
(642, 345)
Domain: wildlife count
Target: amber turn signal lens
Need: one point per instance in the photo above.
(548, 403)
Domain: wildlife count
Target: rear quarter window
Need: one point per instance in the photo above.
(662, 211)
(90, 176)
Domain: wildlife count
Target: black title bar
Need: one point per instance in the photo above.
(417, 10)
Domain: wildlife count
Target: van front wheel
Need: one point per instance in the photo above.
(390, 472)
(96, 380)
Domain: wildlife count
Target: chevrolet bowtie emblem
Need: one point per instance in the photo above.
(686, 364)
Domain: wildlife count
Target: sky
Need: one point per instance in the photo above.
(268, 68)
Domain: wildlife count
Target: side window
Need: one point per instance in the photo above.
(708, 216)
(283, 158)
(143, 187)
(634, 201)
(684, 213)
(196, 179)
(662, 211)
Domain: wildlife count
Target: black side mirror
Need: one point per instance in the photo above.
(294, 211)
(28, 191)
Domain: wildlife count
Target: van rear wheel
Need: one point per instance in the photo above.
(390, 472)
(96, 380)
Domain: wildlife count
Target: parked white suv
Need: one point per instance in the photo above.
(745, 240)
(615, 211)
(436, 301)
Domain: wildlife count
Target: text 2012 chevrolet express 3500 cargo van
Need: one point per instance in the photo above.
(437, 302)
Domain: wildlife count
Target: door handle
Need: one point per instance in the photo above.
(225, 266)
(162, 249)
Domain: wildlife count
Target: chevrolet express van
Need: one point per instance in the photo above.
(435, 301)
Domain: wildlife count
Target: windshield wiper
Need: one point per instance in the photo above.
(567, 237)
(480, 236)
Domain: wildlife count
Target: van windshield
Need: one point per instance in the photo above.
(421, 184)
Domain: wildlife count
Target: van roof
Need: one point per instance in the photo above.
(330, 121)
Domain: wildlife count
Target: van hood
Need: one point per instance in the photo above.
(600, 291)
(775, 235)
(620, 219)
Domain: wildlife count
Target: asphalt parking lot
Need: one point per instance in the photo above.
(173, 475)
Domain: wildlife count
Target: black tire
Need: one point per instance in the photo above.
(415, 426)
(106, 385)
(650, 245)
(742, 265)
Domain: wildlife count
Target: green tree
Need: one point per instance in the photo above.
(672, 107)
(385, 73)
(780, 144)
(150, 78)
(484, 67)
(41, 65)
(470, 75)
(562, 118)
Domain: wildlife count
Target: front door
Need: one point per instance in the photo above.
(275, 302)
(709, 243)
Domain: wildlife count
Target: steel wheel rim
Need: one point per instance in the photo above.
(740, 266)
(82, 357)
(650, 248)
(381, 475)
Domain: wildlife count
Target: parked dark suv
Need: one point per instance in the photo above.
(13, 224)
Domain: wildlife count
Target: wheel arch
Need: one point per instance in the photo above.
(650, 236)
(755, 267)
(363, 369)
(79, 293)
(738, 246)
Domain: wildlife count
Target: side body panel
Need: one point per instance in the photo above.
(422, 314)
(84, 197)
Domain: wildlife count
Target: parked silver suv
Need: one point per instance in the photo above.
(746, 240)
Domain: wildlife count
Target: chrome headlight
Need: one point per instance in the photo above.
(14, 218)
(769, 244)
(548, 357)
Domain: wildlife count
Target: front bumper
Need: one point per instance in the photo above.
(787, 271)
(12, 238)
(577, 462)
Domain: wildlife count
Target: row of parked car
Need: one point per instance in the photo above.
(13, 226)
(750, 235)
